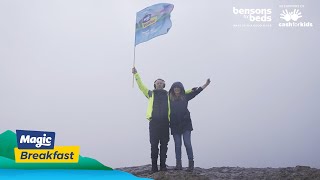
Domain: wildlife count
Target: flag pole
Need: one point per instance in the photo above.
(134, 52)
(134, 62)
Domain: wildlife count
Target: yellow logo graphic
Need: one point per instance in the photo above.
(150, 22)
(60, 154)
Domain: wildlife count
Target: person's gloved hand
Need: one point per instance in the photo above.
(134, 70)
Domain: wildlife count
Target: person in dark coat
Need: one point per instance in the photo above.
(180, 120)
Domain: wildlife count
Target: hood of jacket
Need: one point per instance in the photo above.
(179, 85)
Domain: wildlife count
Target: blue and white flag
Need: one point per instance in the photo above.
(153, 21)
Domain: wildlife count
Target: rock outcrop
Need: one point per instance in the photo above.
(236, 173)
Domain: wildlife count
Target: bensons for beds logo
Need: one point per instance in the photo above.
(38, 147)
(252, 17)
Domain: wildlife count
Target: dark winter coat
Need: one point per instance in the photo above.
(180, 119)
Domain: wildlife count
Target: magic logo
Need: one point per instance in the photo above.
(38, 147)
(148, 20)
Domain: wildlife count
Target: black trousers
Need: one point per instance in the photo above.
(159, 133)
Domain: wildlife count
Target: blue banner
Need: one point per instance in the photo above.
(153, 21)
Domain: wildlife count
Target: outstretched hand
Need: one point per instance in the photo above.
(206, 84)
(134, 70)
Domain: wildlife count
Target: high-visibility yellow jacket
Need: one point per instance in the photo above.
(150, 95)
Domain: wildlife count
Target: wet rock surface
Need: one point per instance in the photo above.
(236, 173)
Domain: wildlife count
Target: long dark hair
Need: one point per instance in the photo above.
(173, 96)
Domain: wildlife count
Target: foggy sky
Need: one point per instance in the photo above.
(65, 66)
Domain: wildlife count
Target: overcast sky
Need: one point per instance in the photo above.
(65, 66)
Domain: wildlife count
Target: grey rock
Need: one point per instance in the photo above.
(233, 173)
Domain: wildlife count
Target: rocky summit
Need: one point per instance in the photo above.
(236, 173)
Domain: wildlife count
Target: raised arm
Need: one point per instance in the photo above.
(206, 84)
(196, 91)
(142, 87)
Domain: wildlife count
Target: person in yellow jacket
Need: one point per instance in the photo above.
(158, 114)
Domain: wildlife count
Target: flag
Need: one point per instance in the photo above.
(153, 21)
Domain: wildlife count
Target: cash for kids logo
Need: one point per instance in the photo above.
(38, 147)
(292, 17)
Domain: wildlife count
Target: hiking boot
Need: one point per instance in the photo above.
(154, 166)
(191, 165)
(163, 166)
(178, 165)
